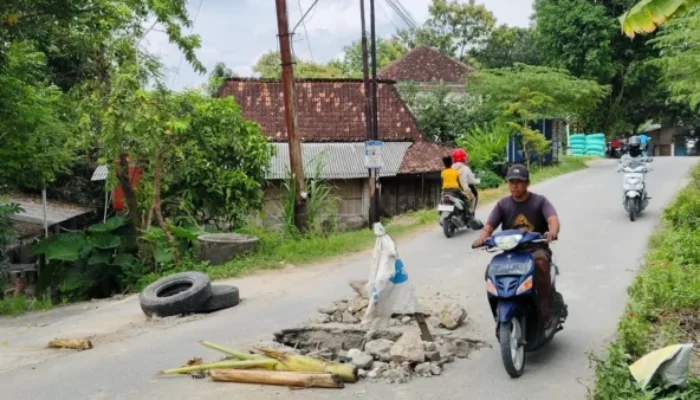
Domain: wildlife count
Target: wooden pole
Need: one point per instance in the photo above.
(375, 133)
(290, 117)
(279, 378)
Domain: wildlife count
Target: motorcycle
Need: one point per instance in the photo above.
(635, 196)
(512, 296)
(455, 214)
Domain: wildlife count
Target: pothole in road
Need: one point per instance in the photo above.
(391, 356)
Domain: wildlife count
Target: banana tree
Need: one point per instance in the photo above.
(647, 15)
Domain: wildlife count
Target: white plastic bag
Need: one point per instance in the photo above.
(388, 286)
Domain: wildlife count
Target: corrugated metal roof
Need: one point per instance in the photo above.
(100, 173)
(337, 160)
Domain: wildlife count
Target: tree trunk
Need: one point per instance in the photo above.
(157, 177)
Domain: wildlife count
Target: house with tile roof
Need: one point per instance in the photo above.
(332, 128)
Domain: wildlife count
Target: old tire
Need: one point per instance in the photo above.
(176, 294)
(222, 296)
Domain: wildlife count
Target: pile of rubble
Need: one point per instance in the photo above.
(451, 316)
(397, 362)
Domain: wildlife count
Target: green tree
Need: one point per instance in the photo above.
(217, 76)
(583, 36)
(388, 51)
(571, 97)
(507, 46)
(268, 67)
(452, 27)
(440, 115)
(679, 45)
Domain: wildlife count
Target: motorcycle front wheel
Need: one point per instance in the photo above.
(511, 338)
(632, 207)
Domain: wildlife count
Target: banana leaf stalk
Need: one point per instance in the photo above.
(248, 364)
(232, 352)
(298, 363)
(292, 379)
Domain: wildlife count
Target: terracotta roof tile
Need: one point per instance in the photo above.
(328, 110)
(425, 64)
(424, 156)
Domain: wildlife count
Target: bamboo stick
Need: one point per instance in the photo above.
(298, 363)
(76, 344)
(279, 378)
(269, 364)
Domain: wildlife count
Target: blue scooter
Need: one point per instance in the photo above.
(512, 296)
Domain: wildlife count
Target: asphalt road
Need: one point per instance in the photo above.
(599, 253)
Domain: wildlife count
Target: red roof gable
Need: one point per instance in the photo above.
(425, 64)
(328, 110)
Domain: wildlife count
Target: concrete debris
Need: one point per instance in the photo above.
(341, 305)
(452, 316)
(405, 320)
(360, 287)
(435, 369)
(397, 375)
(409, 347)
(374, 374)
(328, 310)
(380, 365)
(430, 346)
(348, 318)
(423, 370)
(380, 349)
(362, 373)
(323, 318)
(455, 347)
(433, 356)
(337, 316)
(358, 304)
(360, 359)
(434, 322)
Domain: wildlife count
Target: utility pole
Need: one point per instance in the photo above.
(368, 106)
(290, 118)
(375, 134)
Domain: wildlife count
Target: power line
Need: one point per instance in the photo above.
(306, 32)
(182, 56)
(388, 17)
(405, 11)
(304, 16)
(400, 12)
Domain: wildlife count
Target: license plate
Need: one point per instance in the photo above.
(445, 207)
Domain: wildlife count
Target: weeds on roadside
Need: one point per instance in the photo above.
(13, 306)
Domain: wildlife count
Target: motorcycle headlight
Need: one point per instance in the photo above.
(509, 242)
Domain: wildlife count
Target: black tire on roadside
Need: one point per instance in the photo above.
(222, 296)
(181, 293)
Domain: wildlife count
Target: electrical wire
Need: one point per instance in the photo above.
(391, 20)
(182, 56)
(306, 32)
(400, 12)
(304, 16)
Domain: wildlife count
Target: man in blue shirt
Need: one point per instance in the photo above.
(644, 140)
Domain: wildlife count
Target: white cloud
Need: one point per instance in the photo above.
(237, 33)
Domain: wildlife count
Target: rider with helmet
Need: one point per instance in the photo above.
(466, 176)
(634, 152)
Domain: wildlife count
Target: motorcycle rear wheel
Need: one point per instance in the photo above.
(511, 338)
(448, 227)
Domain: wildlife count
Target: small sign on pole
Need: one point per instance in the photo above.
(373, 154)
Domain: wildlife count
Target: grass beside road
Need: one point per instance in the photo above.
(279, 251)
(664, 304)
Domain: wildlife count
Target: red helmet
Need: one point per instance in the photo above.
(459, 155)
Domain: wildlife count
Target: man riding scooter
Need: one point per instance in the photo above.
(532, 213)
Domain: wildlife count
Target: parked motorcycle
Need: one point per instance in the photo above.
(511, 293)
(635, 196)
(455, 214)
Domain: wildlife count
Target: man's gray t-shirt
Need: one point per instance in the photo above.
(530, 215)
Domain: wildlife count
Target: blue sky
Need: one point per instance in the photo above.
(237, 32)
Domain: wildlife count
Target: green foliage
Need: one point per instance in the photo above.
(507, 46)
(455, 28)
(440, 114)
(486, 144)
(269, 66)
(88, 264)
(216, 78)
(489, 179)
(667, 288)
(7, 234)
(13, 306)
(558, 93)
(679, 46)
(388, 51)
(646, 15)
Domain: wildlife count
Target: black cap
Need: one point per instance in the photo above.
(518, 172)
